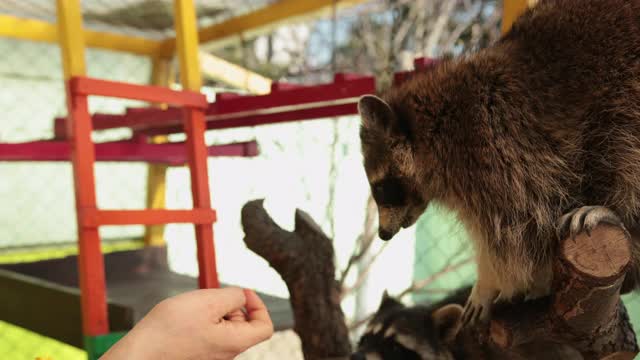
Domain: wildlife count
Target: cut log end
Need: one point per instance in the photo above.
(603, 254)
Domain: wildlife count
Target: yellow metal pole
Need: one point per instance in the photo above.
(71, 38)
(511, 10)
(231, 74)
(161, 75)
(187, 44)
(37, 30)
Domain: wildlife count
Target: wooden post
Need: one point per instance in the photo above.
(194, 126)
(79, 128)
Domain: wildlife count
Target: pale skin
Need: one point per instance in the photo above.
(213, 324)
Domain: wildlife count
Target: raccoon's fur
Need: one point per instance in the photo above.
(545, 121)
(414, 333)
(430, 332)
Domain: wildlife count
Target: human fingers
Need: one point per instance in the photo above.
(236, 315)
(257, 313)
(225, 301)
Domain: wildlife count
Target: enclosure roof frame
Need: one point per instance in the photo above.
(42, 31)
(254, 23)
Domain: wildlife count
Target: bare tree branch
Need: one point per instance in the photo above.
(364, 241)
(419, 284)
(439, 26)
(362, 276)
(332, 176)
(454, 35)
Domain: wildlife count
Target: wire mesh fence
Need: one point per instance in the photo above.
(315, 165)
(152, 19)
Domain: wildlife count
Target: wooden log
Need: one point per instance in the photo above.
(584, 311)
(584, 317)
(304, 259)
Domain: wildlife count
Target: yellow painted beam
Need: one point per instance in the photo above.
(156, 198)
(231, 74)
(187, 44)
(511, 10)
(161, 75)
(251, 24)
(37, 30)
(71, 40)
(263, 19)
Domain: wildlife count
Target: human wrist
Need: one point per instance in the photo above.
(137, 344)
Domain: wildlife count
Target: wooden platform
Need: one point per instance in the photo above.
(43, 296)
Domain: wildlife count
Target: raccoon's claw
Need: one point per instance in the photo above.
(478, 308)
(585, 219)
(472, 315)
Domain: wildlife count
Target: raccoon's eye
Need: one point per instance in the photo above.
(389, 192)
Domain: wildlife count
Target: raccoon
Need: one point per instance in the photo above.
(530, 140)
(414, 333)
(432, 332)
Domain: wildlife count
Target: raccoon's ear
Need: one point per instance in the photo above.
(388, 302)
(376, 114)
(448, 320)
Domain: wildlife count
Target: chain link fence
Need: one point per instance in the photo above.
(315, 166)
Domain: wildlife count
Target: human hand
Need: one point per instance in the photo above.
(213, 324)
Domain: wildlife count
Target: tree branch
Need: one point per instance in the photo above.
(304, 259)
(585, 310)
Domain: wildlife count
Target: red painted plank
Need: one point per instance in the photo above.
(402, 76)
(90, 261)
(264, 119)
(342, 77)
(242, 149)
(194, 125)
(289, 116)
(424, 63)
(169, 153)
(228, 95)
(60, 128)
(282, 86)
(92, 218)
(89, 86)
(309, 94)
(292, 104)
(139, 119)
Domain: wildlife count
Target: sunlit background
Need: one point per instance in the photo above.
(315, 165)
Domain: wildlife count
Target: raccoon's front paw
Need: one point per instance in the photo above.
(585, 219)
(478, 308)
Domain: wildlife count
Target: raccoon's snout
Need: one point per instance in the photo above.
(385, 235)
